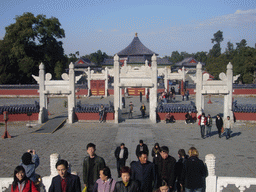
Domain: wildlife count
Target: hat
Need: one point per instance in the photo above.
(26, 158)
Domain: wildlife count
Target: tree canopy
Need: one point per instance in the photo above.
(28, 42)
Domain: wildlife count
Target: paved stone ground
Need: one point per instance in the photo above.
(234, 157)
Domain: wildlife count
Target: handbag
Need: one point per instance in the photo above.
(222, 129)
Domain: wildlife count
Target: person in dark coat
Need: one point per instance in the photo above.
(155, 152)
(126, 185)
(64, 182)
(140, 96)
(143, 171)
(219, 124)
(121, 154)
(179, 166)
(165, 166)
(141, 147)
(143, 110)
(91, 167)
(194, 172)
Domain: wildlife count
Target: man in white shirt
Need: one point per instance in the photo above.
(228, 125)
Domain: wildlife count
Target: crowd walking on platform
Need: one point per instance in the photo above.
(187, 174)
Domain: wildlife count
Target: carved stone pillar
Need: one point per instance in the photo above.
(211, 180)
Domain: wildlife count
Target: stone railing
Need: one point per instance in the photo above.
(217, 184)
(213, 183)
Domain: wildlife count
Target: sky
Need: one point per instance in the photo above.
(163, 26)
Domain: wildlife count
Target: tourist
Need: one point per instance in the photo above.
(179, 166)
(155, 151)
(141, 147)
(20, 181)
(64, 181)
(91, 166)
(30, 161)
(202, 123)
(228, 125)
(105, 183)
(166, 167)
(169, 118)
(143, 171)
(147, 96)
(188, 118)
(130, 110)
(219, 124)
(143, 110)
(101, 113)
(126, 185)
(141, 97)
(123, 101)
(193, 173)
(163, 187)
(182, 95)
(187, 95)
(121, 154)
(208, 125)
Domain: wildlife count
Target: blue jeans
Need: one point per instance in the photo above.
(208, 130)
(193, 190)
(202, 130)
(228, 132)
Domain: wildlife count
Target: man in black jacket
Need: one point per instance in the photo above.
(219, 124)
(121, 154)
(143, 171)
(64, 182)
(165, 165)
(141, 147)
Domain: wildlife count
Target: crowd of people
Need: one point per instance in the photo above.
(164, 174)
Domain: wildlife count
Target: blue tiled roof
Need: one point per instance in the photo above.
(135, 48)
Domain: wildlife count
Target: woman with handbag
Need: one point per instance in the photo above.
(21, 183)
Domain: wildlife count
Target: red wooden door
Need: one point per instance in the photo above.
(98, 87)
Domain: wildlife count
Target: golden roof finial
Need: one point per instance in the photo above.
(136, 34)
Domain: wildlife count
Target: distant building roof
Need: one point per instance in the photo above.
(137, 60)
(84, 63)
(189, 62)
(136, 48)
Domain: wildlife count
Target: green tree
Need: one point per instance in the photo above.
(97, 57)
(216, 49)
(176, 57)
(241, 45)
(217, 37)
(201, 56)
(32, 40)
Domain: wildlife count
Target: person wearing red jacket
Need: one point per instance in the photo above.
(202, 123)
(21, 183)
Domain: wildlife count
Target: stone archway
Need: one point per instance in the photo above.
(127, 76)
(224, 86)
(56, 87)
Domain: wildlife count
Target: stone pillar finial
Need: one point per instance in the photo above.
(116, 57)
(229, 66)
(71, 65)
(199, 65)
(210, 162)
(41, 66)
(53, 160)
